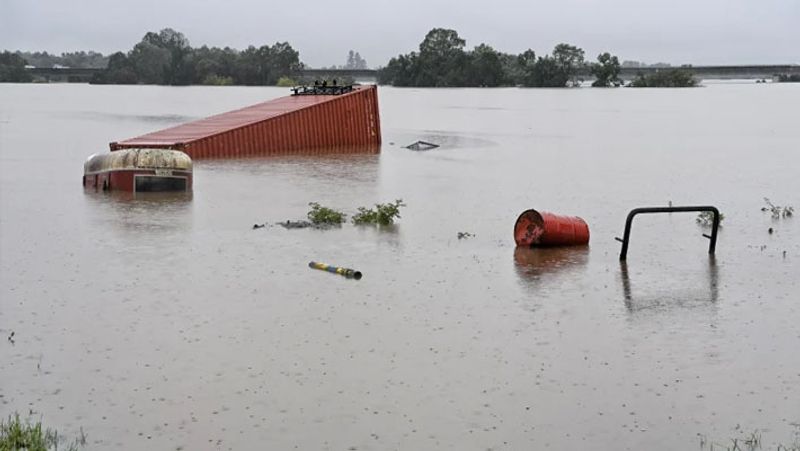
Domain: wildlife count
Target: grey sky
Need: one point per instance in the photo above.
(675, 31)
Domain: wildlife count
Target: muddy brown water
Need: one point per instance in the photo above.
(167, 322)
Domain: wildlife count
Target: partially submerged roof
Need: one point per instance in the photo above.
(422, 145)
(138, 159)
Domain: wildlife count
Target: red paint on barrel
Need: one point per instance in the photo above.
(535, 228)
(288, 125)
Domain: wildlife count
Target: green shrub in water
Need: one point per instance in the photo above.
(320, 215)
(217, 80)
(382, 214)
(285, 82)
(706, 219)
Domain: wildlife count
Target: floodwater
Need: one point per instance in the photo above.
(167, 322)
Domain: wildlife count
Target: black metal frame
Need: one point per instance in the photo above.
(623, 254)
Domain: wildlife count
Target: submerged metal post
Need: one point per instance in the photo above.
(712, 246)
(347, 272)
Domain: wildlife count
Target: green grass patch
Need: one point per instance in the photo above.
(18, 435)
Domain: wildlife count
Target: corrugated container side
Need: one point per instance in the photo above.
(345, 122)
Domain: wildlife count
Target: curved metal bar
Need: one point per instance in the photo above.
(712, 246)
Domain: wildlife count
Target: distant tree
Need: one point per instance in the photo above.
(151, 63)
(556, 71)
(486, 67)
(667, 78)
(355, 61)
(569, 59)
(509, 64)
(119, 71)
(247, 70)
(548, 73)
(178, 69)
(284, 61)
(12, 68)
(441, 59)
(214, 62)
(606, 70)
(401, 71)
(266, 65)
(84, 59)
(526, 66)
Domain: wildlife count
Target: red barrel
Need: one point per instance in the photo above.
(546, 229)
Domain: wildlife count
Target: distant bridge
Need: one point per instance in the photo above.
(82, 74)
(354, 73)
(723, 72)
(626, 73)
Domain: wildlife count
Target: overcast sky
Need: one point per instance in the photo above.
(674, 31)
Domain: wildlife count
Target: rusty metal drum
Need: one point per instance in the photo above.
(535, 228)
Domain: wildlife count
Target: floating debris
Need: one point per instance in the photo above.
(422, 145)
(778, 211)
(347, 272)
(295, 224)
(465, 235)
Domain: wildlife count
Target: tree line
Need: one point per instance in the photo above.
(167, 58)
(443, 61)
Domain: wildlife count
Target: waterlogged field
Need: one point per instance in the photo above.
(168, 322)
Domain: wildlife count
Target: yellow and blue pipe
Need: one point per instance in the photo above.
(347, 272)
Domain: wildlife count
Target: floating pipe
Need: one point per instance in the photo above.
(347, 272)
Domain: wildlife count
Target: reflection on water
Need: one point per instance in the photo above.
(137, 212)
(534, 263)
(671, 293)
(347, 166)
(126, 198)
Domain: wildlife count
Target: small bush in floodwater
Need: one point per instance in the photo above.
(18, 435)
(320, 215)
(706, 219)
(382, 214)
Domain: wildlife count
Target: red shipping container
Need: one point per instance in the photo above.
(347, 122)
